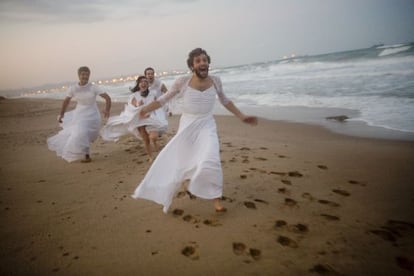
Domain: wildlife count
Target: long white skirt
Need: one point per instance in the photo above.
(80, 128)
(128, 122)
(193, 153)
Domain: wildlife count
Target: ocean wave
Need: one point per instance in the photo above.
(393, 50)
(391, 46)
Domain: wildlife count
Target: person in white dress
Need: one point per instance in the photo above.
(193, 153)
(128, 122)
(80, 127)
(158, 89)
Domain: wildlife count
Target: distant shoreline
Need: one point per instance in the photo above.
(310, 116)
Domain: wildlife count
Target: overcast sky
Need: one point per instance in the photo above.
(45, 41)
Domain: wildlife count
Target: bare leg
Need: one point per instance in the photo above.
(146, 139)
(153, 137)
(87, 159)
(217, 205)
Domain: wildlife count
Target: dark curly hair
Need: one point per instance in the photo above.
(195, 53)
(148, 69)
(83, 69)
(136, 87)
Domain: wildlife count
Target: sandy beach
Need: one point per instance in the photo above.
(301, 200)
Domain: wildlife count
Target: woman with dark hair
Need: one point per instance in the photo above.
(194, 152)
(128, 122)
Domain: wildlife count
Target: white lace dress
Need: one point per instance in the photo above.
(128, 121)
(80, 126)
(160, 113)
(193, 153)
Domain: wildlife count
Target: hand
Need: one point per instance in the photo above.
(251, 120)
(60, 118)
(143, 114)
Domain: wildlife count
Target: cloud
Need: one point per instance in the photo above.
(61, 11)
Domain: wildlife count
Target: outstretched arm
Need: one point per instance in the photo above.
(144, 112)
(107, 104)
(252, 120)
(65, 104)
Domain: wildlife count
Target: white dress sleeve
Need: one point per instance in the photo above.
(130, 99)
(97, 90)
(219, 88)
(70, 92)
(178, 85)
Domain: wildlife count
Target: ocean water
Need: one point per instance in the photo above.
(374, 86)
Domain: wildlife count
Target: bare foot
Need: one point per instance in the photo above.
(221, 210)
(87, 159)
(218, 207)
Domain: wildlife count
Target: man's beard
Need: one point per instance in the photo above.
(199, 74)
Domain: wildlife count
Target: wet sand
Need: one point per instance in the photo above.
(301, 200)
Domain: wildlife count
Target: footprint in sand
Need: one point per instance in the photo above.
(190, 218)
(295, 174)
(263, 148)
(405, 263)
(255, 253)
(299, 228)
(307, 196)
(285, 241)
(250, 205)
(243, 176)
(330, 203)
(290, 202)
(261, 201)
(394, 229)
(244, 148)
(285, 181)
(282, 191)
(278, 173)
(260, 158)
(281, 156)
(330, 217)
(385, 235)
(225, 198)
(212, 222)
(399, 225)
(322, 167)
(239, 248)
(177, 212)
(190, 252)
(323, 269)
(280, 224)
(354, 182)
(341, 192)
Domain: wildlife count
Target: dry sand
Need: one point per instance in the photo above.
(301, 201)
